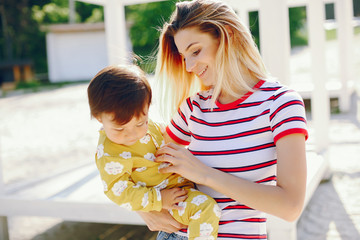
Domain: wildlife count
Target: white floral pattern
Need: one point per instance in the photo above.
(119, 187)
(141, 169)
(196, 215)
(145, 139)
(113, 168)
(139, 184)
(205, 229)
(149, 156)
(158, 194)
(145, 200)
(164, 165)
(126, 206)
(183, 205)
(217, 210)
(105, 186)
(100, 151)
(125, 155)
(199, 199)
(162, 185)
(181, 179)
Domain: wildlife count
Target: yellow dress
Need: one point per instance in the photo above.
(132, 180)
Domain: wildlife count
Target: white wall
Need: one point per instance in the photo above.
(75, 52)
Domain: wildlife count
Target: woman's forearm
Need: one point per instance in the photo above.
(284, 200)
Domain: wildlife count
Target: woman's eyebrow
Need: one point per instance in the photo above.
(190, 45)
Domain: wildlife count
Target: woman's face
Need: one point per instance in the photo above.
(199, 52)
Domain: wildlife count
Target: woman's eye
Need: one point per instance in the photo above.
(196, 52)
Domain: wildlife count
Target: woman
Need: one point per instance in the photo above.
(245, 134)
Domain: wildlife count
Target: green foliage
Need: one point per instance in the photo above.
(21, 21)
(145, 20)
(20, 34)
(50, 13)
(297, 20)
(89, 13)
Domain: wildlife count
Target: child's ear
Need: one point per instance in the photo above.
(98, 118)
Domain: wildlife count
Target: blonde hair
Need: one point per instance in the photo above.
(237, 57)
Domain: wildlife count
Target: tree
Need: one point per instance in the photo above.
(145, 20)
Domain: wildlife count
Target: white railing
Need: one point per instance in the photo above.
(275, 46)
(275, 49)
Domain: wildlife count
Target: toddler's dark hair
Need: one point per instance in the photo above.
(121, 90)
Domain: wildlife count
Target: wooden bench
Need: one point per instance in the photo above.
(76, 195)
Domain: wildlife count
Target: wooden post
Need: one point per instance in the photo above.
(320, 102)
(275, 38)
(17, 73)
(344, 16)
(115, 29)
(28, 73)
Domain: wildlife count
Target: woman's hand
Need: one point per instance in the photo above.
(161, 221)
(182, 163)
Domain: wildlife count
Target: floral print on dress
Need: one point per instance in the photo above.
(105, 186)
(125, 155)
(149, 156)
(145, 139)
(113, 168)
(158, 194)
(183, 205)
(217, 210)
(100, 151)
(141, 169)
(163, 165)
(126, 206)
(145, 200)
(162, 185)
(119, 187)
(181, 179)
(206, 230)
(196, 215)
(199, 199)
(139, 184)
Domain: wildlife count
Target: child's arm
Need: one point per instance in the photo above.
(121, 189)
(116, 173)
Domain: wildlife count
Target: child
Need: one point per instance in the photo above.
(119, 98)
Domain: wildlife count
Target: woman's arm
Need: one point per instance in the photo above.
(284, 200)
(161, 221)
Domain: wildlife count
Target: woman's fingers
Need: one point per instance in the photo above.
(170, 149)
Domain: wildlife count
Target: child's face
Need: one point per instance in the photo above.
(126, 134)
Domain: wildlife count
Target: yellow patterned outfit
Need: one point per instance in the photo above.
(132, 180)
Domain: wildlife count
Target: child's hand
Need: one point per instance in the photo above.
(171, 197)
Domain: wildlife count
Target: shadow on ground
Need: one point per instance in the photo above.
(96, 231)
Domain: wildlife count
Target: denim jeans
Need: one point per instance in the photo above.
(170, 236)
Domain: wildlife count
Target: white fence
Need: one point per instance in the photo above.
(275, 46)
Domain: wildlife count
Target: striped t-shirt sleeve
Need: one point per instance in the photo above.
(287, 114)
(178, 128)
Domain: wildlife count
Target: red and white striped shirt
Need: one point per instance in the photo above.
(239, 138)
